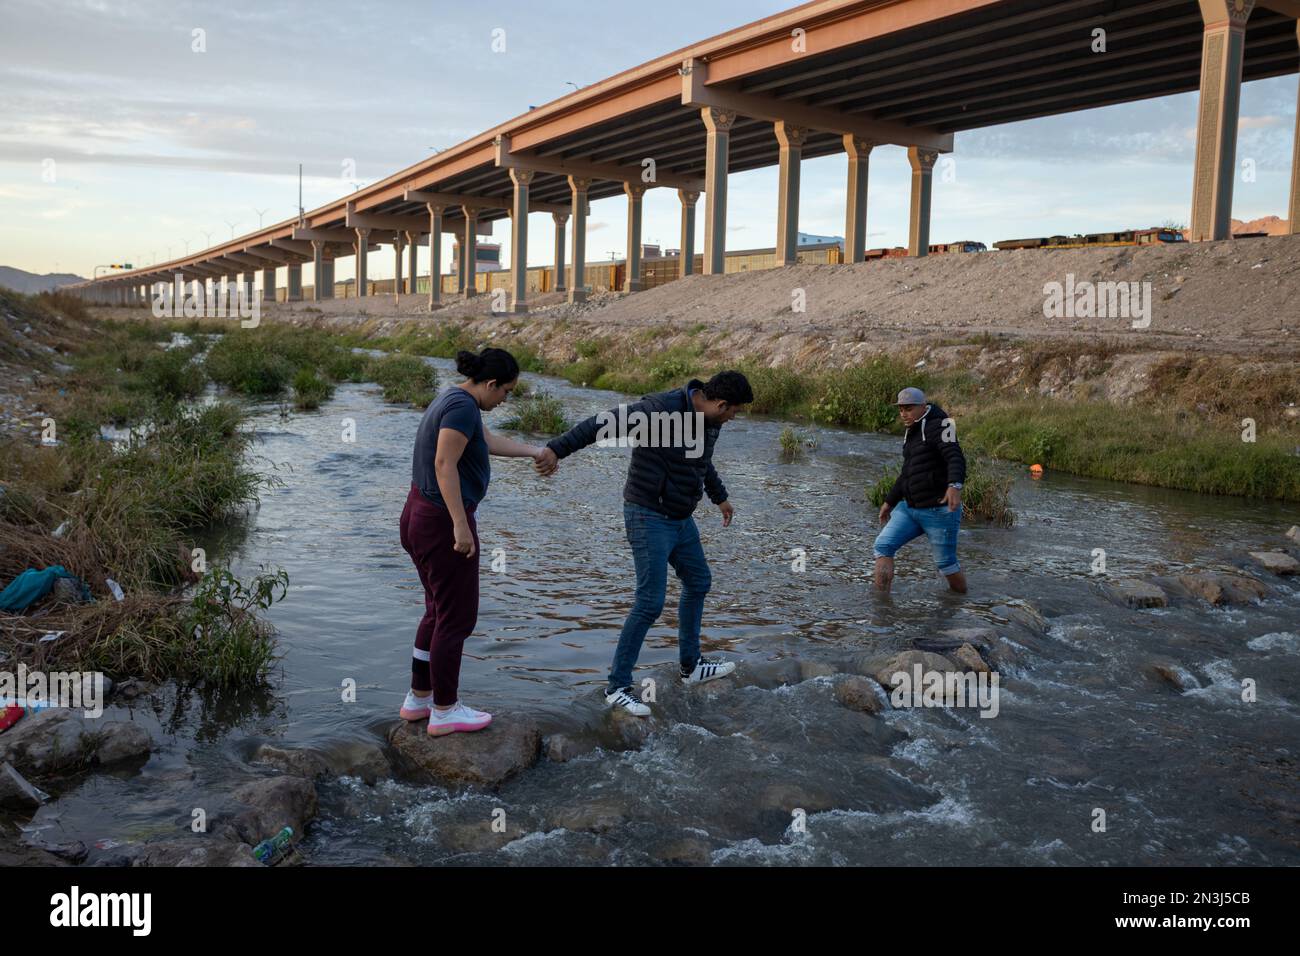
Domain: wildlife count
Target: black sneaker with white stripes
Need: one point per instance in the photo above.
(707, 668)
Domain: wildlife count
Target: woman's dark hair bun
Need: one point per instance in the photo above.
(489, 365)
(468, 364)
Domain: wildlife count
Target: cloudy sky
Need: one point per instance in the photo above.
(118, 141)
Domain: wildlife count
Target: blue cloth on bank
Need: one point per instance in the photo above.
(32, 585)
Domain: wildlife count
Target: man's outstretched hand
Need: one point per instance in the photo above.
(727, 512)
(546, 461)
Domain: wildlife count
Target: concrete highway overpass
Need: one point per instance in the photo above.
(830, 76)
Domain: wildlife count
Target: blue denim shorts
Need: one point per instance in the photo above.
(938, 524)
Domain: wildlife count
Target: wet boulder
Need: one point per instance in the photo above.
(884, 669)
(594, 814)
(478, 836)
(484, 758)
(197, 850)
(120, 740)
(347, 758)
(1279, 562)
(561, 748)
(1294, 533)
(1024, 614)
(968, 659)
(682, 851)
(1220, 588)
(1135, 593)
(265, 807)
(1173, 675)
(857, 693)
(811, 670)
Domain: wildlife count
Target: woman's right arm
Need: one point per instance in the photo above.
(451, 445)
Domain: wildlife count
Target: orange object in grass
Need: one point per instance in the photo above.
(1036, 471)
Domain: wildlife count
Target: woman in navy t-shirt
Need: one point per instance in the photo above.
(449, 477)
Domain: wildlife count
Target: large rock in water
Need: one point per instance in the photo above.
(1219, 588)
(59, 740)
(270, 805)
(485, 758)
(1135, 593)
(1279, 562)
(883, 670)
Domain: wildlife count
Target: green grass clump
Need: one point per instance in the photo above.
(985, 494)
(863, 396)
(310, 390)
(794, 444)
(405, 379)
(1148, 445)
(538, 414)
(777, 391)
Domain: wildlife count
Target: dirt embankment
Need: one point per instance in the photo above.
(1235, 302)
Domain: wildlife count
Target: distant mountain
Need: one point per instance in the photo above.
(1269, 224)
(30, 283)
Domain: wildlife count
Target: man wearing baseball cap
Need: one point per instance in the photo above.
(926, 497)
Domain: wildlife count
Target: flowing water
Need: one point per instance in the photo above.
(1183, 776)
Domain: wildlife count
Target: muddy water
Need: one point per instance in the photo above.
(1192, 776)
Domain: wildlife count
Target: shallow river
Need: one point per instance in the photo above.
(1194, 776)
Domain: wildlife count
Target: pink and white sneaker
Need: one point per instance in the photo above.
(415, 708)
(459, 718)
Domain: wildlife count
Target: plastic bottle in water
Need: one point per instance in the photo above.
(269, 849)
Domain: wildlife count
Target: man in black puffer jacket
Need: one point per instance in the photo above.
(926, 497)
(672, 434)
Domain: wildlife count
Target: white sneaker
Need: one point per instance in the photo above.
(459, 718)
(415, 708)
(708, 668)
(625, 699)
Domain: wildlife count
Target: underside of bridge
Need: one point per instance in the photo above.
(832, 76)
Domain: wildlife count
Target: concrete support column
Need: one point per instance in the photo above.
(560, 218)
(791, 139)
(412, 260)
(469, 253)
(1222, 50)
(519, 239)
(397, 267)
(293, 282)
(578, 188)
(918, 232)
(268, 284)
(435, 255)
(718, 123)
(686, 261)
(1294, 216)
(318, 269)
(633, 282)
(855, 213)
(329, 277)
(249, 282)
(362, 247)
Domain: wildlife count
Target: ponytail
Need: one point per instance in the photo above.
(489, 365)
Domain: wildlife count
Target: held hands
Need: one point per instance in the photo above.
(727, 512)
(464, 539)
(953, 498)
(545, 461)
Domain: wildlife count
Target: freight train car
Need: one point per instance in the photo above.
(1128, 237)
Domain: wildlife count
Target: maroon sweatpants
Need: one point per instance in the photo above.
(450, 582)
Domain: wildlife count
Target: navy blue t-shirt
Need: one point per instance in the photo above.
(454, 408)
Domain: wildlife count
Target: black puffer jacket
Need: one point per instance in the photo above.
(662, 479)
(930, 464)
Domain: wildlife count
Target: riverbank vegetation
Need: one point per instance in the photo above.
(125, 512)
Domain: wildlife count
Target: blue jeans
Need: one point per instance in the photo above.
(938, 524)
(658, 541)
